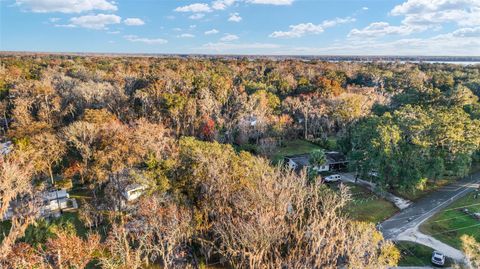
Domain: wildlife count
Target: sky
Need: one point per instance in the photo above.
(267, 27)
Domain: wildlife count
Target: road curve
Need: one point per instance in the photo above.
(427, 206)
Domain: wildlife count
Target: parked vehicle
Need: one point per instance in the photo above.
(438, 258)
(333, 178)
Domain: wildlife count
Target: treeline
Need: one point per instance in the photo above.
(178, 127)
(427, 131)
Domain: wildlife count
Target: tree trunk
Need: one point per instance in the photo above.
(51, 174)
(59, 259)
(305, 115)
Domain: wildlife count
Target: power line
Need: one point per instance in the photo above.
(419, 215)
(453, 230)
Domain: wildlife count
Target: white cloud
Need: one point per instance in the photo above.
(302, 29)
(235, 17)
(133, 22)
(229, 37)
(65, 25)
(195, 8)
(186, 36)
(66, 6)
(298, 30)
(222, 4)
(149, 41)
(96, 22)
(420, 15)
(53, 19)
(229, 47)
(113, 32)
(364, 8)
(433, 12)
(272, 2)
(211, 32)
(196, 16)
(378, 29)
(459, 42)
(465, 32)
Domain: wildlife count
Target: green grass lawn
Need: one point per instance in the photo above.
(413, 254)
(73, 218)
(451, 223)
(80, 194)
(293, 147)
(366, 206)
(4, 229)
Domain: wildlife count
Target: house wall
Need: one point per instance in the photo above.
(292, 164)
(322, 168)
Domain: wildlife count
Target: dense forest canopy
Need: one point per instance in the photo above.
(200, 133)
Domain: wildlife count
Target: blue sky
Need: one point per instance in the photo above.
(294, 27)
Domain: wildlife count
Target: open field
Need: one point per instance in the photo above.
(415, 254)
(366, 206)
(451, 223)
(293, 147)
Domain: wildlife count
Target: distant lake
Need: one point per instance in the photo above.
(416, 62)
(444, 62)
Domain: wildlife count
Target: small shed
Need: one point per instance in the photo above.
(133, 191)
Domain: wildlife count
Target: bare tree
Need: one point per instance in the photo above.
(82, 136)
(49, 150)
(67, 250)
(163, 231)
(15, 185)
(118, 252)
(257, 216)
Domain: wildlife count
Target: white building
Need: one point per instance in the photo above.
(335, 161)
(49, 203)
(6, 148)
(133, 191)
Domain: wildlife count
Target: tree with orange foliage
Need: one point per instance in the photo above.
(67, 250)
(208, 129)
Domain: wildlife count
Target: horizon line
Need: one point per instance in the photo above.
(150, 54)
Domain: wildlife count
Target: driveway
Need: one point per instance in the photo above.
(397, 201)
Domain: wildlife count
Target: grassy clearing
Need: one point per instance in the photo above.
(73, 218)
(80, 194)
(416, 255)
(293, 147)
(4, 229)
(451, 223)
(366, 206)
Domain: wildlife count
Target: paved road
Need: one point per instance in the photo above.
(423, 209)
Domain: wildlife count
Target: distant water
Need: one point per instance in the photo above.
(417, 62)
(445, 62)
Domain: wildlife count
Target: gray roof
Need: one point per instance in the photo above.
(53, 195)
(303, 160)
(334, 157)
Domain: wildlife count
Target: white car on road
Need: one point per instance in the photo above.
(332, 178)
(438, 258)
